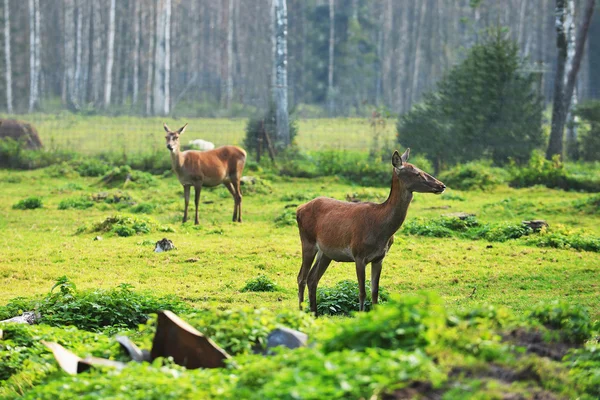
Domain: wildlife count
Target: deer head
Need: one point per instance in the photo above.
(414, 179)
(173, 137)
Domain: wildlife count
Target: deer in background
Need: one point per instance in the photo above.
(223, 165)
(362, 233)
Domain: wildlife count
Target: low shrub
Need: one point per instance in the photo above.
(92, 166)
(439, 227)
(15, 155)
(551, 174)
(562, 240)
(122, 225)
(286, 218)
(143, 208)
(256, 186)
(502, 232)
(122, 176)
(342, 299)
(452, 197)
(474, 175)
(79, 203)
(572, 322)
(589, 205)
(261, 283)
(93, 310)
(29, 203)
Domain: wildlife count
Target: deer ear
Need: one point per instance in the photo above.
(405, 155)
(182, 129)
(166, 128)
(397, 160)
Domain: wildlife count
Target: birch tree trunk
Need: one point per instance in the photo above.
(418, 54)
(562, 97)
(150, 57)
(32, 55)
(167, 60)
(110, 45)
(330, 90)
(160, 105)
(136, 50)
(402, 97)
(96, 73)
(78, 53)
(571, 141)
(7, 59)
(229, 51)
(281, 101)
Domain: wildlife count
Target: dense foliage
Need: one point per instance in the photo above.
(342, 299)
(486, 106)
(589, 142)
(412, 346)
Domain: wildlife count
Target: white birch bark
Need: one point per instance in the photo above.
(418, 54)
(281, 101)
(136, 50)
(78, 53)
(150, 57)
(7, 58)
(229, 75)
(32, 53)
(158, 92)
(110, 54)
(571, 118)
(96, 53)
(330, 89)
(167, 60)
(402, 95)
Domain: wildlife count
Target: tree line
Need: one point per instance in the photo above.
(157, 57)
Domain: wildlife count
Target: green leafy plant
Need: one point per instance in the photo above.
(286, 218)
(571, 321)
(29, 203)
(80, 203)
(474, 175)
(261, 283)
(342, 299)
(122, 225)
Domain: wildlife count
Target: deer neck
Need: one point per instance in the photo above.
(395, 208)
(177, 160)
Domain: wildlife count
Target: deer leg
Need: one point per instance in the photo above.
(360, 275)
(314, 276)
(375, 274)
(186, 197)
(231, 189)
(237, 197)
(308, 255)
(196, 201)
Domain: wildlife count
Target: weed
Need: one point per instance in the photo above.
(342, 299)
(143, 208)
(124, 226)
(29, 203)
(261, 283)
(79, 203)
(286, 218)
(571, 321)
(475, 175)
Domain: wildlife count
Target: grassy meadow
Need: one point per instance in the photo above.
(463, 319)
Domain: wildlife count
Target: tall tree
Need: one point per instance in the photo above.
(136, 50)
(34, 53)
(280, 90)
(330, 90)
(564, 92)
(110, 56)
(7, 58)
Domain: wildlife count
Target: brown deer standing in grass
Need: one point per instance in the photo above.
(207, 168)
(357, 232)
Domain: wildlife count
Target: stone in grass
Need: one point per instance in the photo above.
(460, 215)
(286, 337)
(536, 225)
(163, 245)
(28, 317)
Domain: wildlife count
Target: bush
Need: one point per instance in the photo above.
(261, 283)
(143, 208)
(286, 218)
(122, 226)
(259, 125)
(121, 176)
(572, 321)
(486, 105)
(13, 154)
(561, 240)
(475, 175)
(589, 205)
(79, 203)
(439, 227)
(29, 203)
(92, 166)
(94, 310)
(551, 174)
(342, 299)
(589, 142)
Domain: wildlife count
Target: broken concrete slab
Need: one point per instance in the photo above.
(134, 352)
(73, 364)
(28, 317)
(187, 346)
(286, 337)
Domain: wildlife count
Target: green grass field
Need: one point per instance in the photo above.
(94, 134)
(213, 260)
(468, 318)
